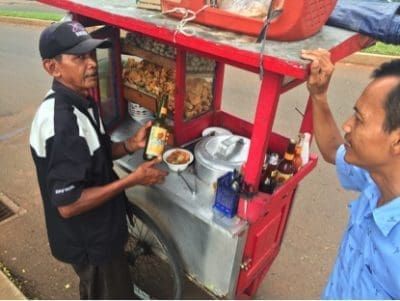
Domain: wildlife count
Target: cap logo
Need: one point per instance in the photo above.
(78, 29)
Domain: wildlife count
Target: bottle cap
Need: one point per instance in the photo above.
(273, 159)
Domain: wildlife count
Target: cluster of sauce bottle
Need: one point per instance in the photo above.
(277, 171)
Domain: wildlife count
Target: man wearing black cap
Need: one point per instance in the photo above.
(84, 200)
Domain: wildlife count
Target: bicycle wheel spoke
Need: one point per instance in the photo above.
(156, 269)
(154, 242)
(140, 229)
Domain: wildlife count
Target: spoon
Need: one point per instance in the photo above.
(186, 182)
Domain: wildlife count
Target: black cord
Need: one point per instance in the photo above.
(262, 37)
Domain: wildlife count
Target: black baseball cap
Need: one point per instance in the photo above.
(68, 37)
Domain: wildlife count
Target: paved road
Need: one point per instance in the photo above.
(318, 215)
(27, 5)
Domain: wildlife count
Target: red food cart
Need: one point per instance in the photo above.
(225, 257)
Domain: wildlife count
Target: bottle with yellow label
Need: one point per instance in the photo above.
(286, 167)
(158, 134)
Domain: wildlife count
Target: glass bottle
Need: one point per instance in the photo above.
(268, 177)
(305, 150)
(286, 167)
(213, 3)
(298, 161)
(158, 134)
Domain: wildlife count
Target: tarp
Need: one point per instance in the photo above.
(377, 19)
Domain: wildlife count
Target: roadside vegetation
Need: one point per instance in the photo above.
(378, 48)
(385, 49)
(31, 15)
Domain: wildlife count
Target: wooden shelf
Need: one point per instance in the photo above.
(149, 103)
(140, 98)
(148, 56)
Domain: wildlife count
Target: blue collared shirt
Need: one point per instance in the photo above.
(368, 263)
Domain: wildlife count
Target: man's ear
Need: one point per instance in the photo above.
(395, 146)
(51, 66)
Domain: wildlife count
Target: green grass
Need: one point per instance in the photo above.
(31, 15)
(385, 49)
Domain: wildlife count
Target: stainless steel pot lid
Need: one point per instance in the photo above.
(223, 151)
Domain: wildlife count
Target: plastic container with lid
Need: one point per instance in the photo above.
(298, 19)
(217, 155)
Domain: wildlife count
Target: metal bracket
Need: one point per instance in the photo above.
(246, 264)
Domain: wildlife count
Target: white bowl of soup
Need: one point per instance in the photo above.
(178, 159)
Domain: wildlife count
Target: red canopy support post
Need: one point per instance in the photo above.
(263, 122)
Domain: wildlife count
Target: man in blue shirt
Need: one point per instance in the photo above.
(367, 160)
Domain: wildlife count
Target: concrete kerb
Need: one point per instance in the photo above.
(24, 21)
(361, 58)
(8, 290)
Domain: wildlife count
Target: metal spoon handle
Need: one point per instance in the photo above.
(186, 182)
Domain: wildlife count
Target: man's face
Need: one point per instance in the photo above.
(367, 144)
(77, 72)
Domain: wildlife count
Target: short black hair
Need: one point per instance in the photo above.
(58, 57)
(387, 69)
(392, 102)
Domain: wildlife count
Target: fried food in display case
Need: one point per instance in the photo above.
(155, 80)
(194, 63)
(149, 77)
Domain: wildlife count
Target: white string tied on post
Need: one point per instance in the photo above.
(187, 16)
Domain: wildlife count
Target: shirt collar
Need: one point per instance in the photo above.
(73, 97)
(387, 216)
(373, 195)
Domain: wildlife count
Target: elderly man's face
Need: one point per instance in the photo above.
(367, 144)
(78, 72)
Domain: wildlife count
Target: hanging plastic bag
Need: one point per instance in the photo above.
(247, 8)
(377, 19)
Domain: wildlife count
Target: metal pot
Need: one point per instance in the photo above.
(217, 155)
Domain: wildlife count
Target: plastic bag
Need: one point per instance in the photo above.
(247, 8)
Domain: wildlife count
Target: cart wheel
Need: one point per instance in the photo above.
(155, 266)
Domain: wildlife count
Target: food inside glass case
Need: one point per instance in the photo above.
(194, 63)
(149, 69)
(149, 77)
(155, 80)
(198, 96)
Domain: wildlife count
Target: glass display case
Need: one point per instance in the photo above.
(149, 70)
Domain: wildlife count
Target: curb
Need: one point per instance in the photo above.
(8, 290)
(24, 21)
(368, 59)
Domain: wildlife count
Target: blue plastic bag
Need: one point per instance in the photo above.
(377, 19)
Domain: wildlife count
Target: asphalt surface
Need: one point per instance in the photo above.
(27, 5)
(317, 218)
(24, 248)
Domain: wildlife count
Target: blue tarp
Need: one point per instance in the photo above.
(377, 19)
